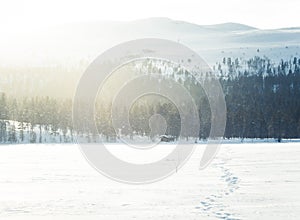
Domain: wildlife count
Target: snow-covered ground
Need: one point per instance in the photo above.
(245, 181)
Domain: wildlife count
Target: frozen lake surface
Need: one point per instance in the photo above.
(245, 181)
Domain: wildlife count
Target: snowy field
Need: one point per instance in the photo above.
(245, 181)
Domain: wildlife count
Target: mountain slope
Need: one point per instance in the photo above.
(71, 43)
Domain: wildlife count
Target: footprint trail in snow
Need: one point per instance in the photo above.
(213, 205)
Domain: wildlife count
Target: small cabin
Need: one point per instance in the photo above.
(167, 138)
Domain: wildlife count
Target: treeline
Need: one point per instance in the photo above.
(35, 120)
(262, 101)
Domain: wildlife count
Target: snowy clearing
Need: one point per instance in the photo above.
(245, 181)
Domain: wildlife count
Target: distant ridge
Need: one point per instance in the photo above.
(230, 26)
(85, 40)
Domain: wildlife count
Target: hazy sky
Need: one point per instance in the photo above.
(18, 14)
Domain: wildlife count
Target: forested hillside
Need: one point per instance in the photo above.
(262, 101)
